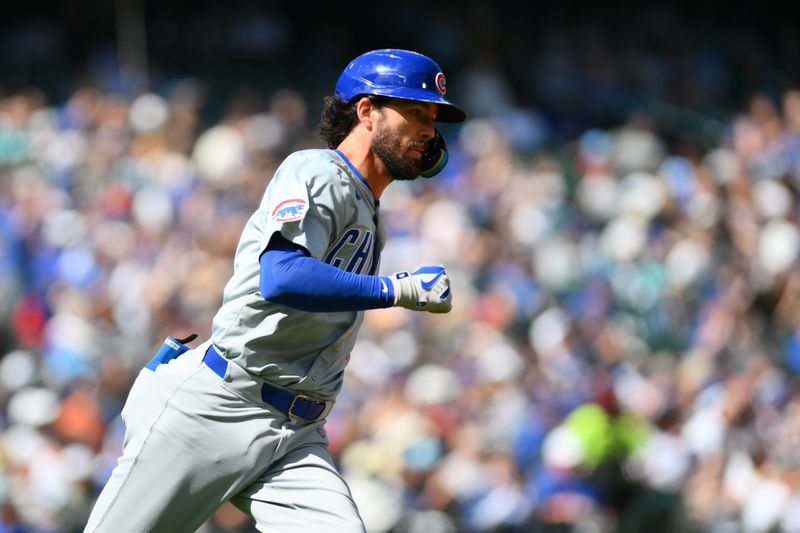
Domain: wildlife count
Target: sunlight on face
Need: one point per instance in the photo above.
(396, 153)
(401, 136)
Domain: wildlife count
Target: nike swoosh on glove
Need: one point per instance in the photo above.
(425, 289)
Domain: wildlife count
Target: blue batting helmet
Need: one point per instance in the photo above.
(398, 74)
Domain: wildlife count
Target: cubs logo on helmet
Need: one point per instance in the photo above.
(441, 83)
(289, 210)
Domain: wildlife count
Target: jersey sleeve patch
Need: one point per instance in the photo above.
(289, 210)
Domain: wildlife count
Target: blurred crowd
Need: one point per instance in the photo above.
(623, 352)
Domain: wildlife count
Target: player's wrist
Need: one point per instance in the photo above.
(387, 291)
(401, 289)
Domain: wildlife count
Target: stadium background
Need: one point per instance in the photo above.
(620, 219)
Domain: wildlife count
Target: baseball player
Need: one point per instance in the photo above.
(241, 417)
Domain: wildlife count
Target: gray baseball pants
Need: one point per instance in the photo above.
(194, 441)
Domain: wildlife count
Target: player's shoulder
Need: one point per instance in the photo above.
(312, 161)
(314, 166)
(310, 156)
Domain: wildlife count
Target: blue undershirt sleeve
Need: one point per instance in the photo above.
(290, 276)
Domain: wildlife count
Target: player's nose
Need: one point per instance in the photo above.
(427, 130)
(427, 119)
(426, 134)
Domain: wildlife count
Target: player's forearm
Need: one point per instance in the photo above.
(297, 280)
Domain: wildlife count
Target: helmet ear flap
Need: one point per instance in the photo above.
(435, 157)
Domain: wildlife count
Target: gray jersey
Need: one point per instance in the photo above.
(320, 202)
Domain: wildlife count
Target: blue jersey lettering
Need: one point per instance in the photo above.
(350, 237)
(359, 259)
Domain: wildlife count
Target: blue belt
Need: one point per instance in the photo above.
(289, 404)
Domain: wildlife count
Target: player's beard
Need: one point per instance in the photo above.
(389, 148)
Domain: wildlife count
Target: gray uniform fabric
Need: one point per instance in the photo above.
(195, 440)
(335, 220)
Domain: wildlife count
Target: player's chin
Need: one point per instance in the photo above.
(412, 173)
(410, 169)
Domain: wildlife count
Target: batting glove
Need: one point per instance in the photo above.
(425, 289)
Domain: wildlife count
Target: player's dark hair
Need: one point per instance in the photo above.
(339, 118)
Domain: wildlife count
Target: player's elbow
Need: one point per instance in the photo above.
(270, 287)
(274, 283)
(273, 286)
(278, 290)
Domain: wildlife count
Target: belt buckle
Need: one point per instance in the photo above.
(294, 401)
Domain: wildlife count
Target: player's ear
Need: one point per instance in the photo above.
(364, 109)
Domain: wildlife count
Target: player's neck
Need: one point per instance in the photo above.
(368, 164)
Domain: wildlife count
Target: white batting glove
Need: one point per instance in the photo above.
(425, 289)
